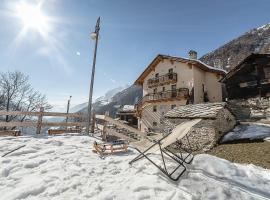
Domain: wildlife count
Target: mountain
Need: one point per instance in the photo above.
(107, 98)
(229, 55)
(78, 107)
(128, 96)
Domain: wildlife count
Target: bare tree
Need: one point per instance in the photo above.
(17, 94)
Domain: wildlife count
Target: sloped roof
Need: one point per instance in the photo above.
(191, 111)
(241, 65)
(160, 57)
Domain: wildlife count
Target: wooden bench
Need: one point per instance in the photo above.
(10, 133)
(62, 131)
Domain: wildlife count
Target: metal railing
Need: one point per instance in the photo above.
(165, 95)
(167, 78)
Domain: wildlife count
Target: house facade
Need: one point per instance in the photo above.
(170, 81)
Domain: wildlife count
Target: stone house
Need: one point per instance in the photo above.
(217, 120)
(169, 82)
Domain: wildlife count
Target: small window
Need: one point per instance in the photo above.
(173, 106)
(173, 87)
(171, 70)
(163, 89)
(157, 74)
(154, 123)
(155, 90)
(154, 108)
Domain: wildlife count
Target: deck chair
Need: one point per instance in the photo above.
(115, 146)
(146, 147)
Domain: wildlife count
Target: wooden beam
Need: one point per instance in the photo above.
(34, 124)
(120, 124)
(56, 114)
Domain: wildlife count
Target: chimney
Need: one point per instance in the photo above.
(192, 54)
(217, 63)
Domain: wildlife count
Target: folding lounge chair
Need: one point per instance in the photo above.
(146, 147)
(111, 147)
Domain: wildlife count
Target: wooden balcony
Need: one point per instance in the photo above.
(162, 80)
(169, 95)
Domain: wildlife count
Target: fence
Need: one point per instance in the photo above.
(40, 123)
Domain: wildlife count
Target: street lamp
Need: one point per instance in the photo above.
(94, 36)
(68, 105)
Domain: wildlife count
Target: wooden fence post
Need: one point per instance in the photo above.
(39, 123)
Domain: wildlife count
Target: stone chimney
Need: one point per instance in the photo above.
(217, 63)
(192, 54)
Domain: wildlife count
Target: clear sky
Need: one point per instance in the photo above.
(55, 49)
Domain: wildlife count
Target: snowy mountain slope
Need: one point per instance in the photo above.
(128, 96)
(64, 167)
(78, 107)
(256, 40)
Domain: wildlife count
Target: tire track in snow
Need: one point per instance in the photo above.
(235, 185)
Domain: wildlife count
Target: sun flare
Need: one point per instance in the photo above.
(32, 17)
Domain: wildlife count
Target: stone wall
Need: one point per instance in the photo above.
(253, 108)
(206, 134)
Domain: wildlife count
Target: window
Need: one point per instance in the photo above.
(173, 106)
(173, 87)
(154, 123)
(157, 74)
(171, 70)
(155, 90)
(154, 108)
(163, 89)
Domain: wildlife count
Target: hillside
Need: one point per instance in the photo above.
(127, 96)
(255, 41)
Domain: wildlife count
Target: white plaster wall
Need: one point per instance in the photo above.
(213, 87)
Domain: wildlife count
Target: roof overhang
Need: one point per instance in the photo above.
(241, 65)
(160, 58)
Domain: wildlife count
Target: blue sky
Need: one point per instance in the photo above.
(59, 60)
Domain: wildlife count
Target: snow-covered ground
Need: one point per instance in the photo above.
(246, 131)
(64, 167)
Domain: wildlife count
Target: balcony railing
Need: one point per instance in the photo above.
(161, 80)
(161, 96)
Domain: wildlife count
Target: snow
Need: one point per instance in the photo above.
(128, 108)
(264, 27)
(64, 167)
(246, 131)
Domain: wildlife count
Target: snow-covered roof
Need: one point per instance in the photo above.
(128, 108)
(196, 62)
(206, 110)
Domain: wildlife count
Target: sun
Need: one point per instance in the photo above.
(32, 17)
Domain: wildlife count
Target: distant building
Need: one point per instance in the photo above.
(127, 114)
(170, 81)
(250, 78)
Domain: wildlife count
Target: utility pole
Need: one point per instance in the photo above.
(95, 36)
(68, 105)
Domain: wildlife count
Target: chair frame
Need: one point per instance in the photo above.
(180, 160)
